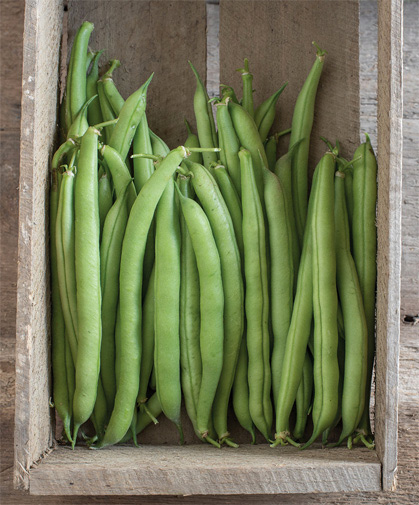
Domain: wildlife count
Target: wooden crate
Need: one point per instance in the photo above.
(161, 36)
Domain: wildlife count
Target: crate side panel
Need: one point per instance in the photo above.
(276, 37)
(148, 37)
(389, 116)
(39, 99)
(203, 470)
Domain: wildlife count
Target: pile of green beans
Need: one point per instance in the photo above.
(208, 273)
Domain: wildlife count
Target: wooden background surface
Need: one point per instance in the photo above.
(11, 27)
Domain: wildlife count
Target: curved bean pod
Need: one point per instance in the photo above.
(141, 144)
(265, 113)
(302, 122)
(94, 113)
(192, 141)
(110, 90)
(159, 146)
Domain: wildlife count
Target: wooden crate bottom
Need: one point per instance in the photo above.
(203, 470)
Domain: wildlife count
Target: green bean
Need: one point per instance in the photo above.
(298, 334)
(87, 260)
(256, 298)
(144, 418)
(364, 241)
(326, 369)
(120, 173)
(64, 241)
(105, 199)
(204, 119)
(211, 309)
(271, 146)
(303, 398)
(265, 113)
(159, 146)
(232, 200)
(229, 142)
(89, 58)
(110, 90)
(129, 118)
(190, 354)
(70, 378)
(247, 80)
(80, 124)
(107, 112)
(302, 122)
(228, 91)
(143, 167)
(282, 271)
(100, 411)
(222, 226)
(192, 141)
(283, 171)
(94, 113)
(110, 256)
(76, 83)
(130, 285)
(249, 138)
(166, 308)
(241, 392)
(147, 350)
(60, 390)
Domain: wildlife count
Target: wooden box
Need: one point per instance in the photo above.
(161, 36)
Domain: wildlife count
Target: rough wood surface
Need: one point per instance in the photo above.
(39, 88)
(151, 37)
(201, 470)
(389, 115)
(280, 51)
(11, 19)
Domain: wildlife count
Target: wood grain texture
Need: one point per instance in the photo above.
(150, 36)
(201, 470)
(38, 129)
(389, 115)
(277, 38)
(408, 462)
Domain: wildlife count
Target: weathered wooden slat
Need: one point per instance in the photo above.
(202, 470)
(390, 114)
(38, 128)
(276, 37)
(148, 36)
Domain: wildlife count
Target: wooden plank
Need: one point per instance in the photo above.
(149, 36)
(390, 107)
(202, 470)
(276, 37)
(39, 92)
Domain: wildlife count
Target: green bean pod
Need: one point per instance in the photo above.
(247, 81)
(105, 199)
(241, 392)
(271, 146)
(229, 142)
(249, 138)
(222, 226)
(147, 350)
(130, 285)
(111, 91)
(59, 390)
(303, 398)
(265, 113)
(110, 256)
(100, 411)
(145, 417)
(120, 173)
(228, 91)
(87, 260)
(325, 301)
(190, 354)
(282, 271)
(192, 141)
(256, 299)
(364, 241)
(158, 145)
(283, 171)
(204, 119)
(94, 113)
(211, 309)
(70, 375)
(107, 112)
(64, 241)
(76, 82)
(298, 334)
(232, 200)
(166, 308)
(141, 144)
(302, 122)
(129, 119)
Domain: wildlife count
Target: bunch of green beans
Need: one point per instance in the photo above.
(208, 272)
